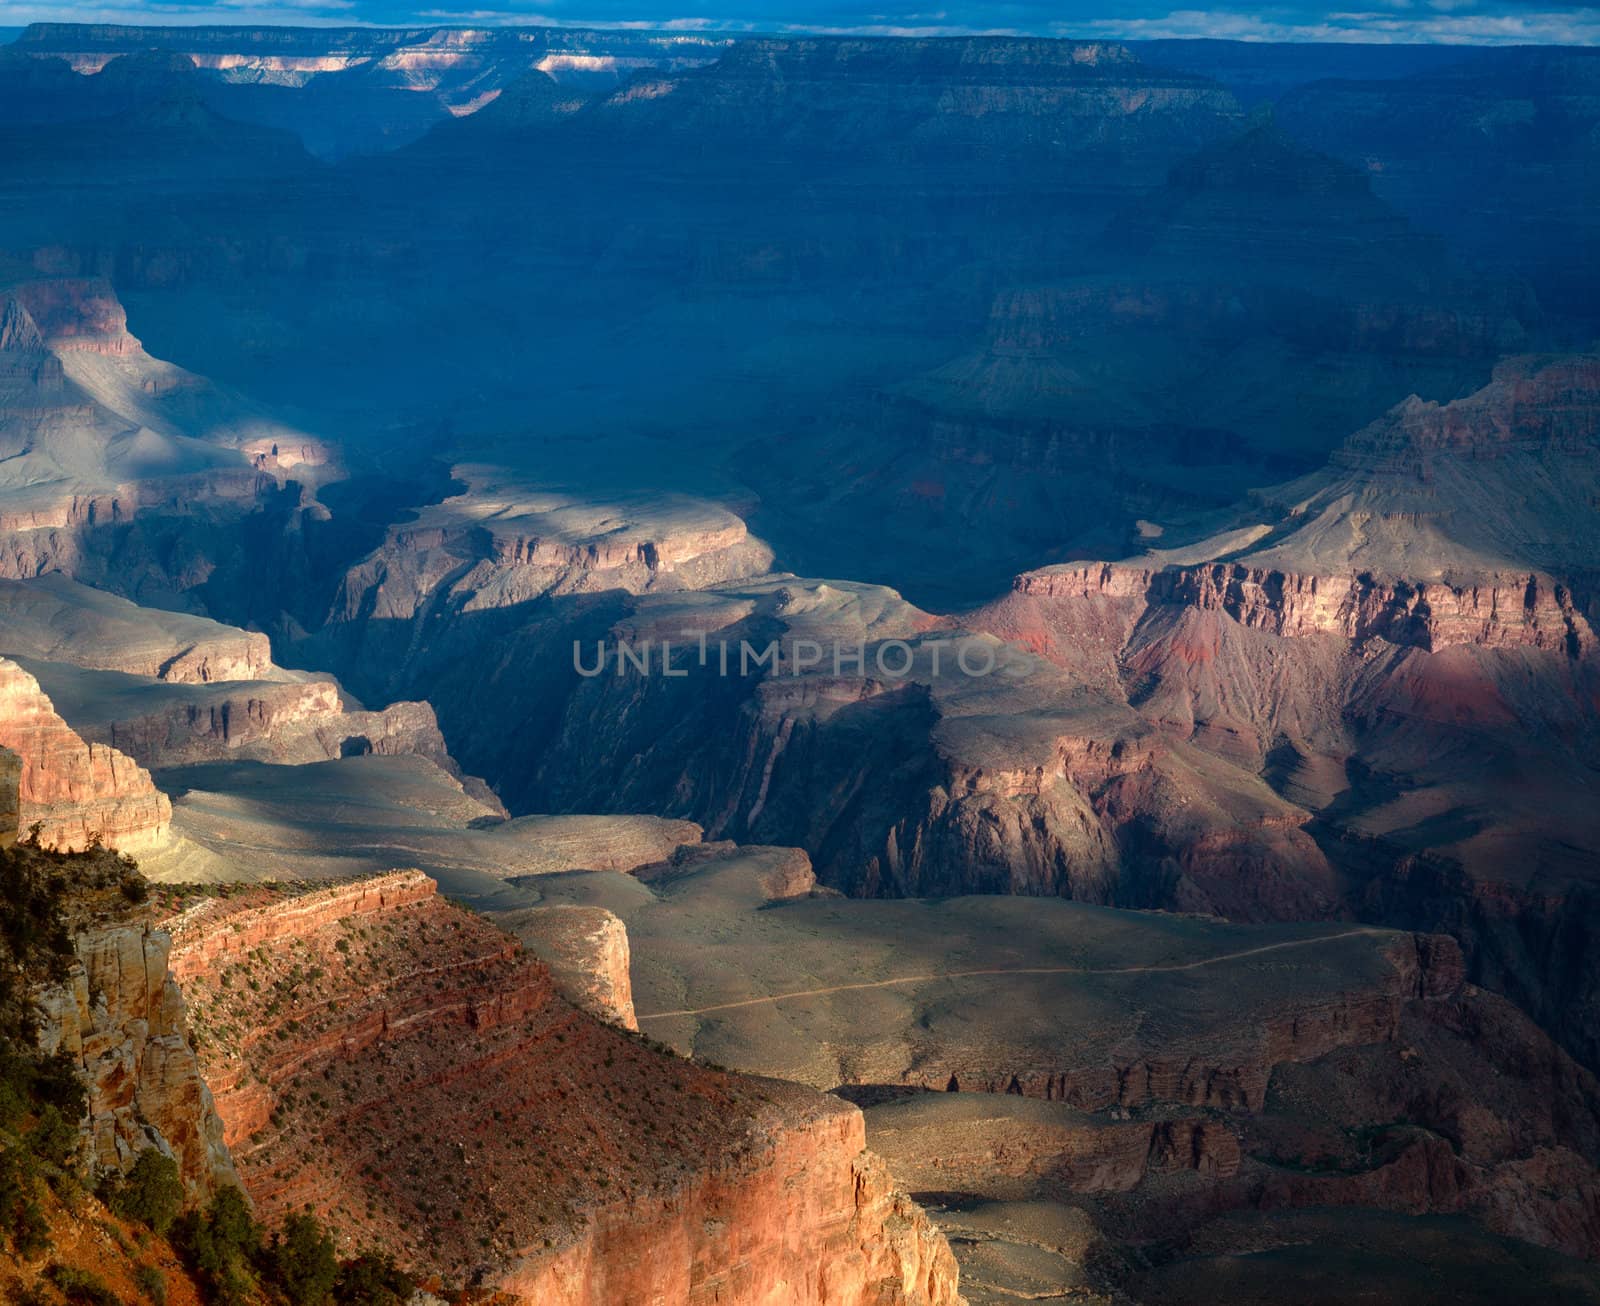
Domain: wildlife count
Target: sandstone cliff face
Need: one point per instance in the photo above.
(1496, 611)
(636, 1174)
(76, 791)
(283, 722)
(816, 1220)
(78, 314)
(120, 1016)
(586, 949)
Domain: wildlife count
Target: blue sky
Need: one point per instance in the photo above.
(1472, 21)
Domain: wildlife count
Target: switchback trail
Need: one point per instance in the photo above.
(1017, 970)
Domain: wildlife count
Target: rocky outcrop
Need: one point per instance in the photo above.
(639, 1174)
(586, 949)
(503, 542)
(1498, 610)
(1532, 403)
(119, 1015)
(816, 1221)
(284, 722)
(121, 470)
(78, 314)
(601, 843)
(77, 793)
(1010, 1145)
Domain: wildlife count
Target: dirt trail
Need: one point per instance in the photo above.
(1018, 970)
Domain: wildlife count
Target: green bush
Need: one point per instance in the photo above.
(301, 1261)
(152, 1192)
(54, 1138)
(221, 1246)
(22, 1222)
(152, 1283)
(373, 1279)
(81, 1287)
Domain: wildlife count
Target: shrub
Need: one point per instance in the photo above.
(220, 1245)
(81, 1287)
(301, 1261)
(152, 1283)
(373, 1279)
(54, 1138)
(152, 1192)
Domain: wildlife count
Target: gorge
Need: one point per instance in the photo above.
(1209, 436)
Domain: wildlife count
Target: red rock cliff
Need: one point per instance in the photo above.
(74, 790)
(360, 1037)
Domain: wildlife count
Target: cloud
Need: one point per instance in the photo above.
(1442, 26)
(260, 13)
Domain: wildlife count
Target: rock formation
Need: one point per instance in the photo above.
(54, 619)
(1016, 325)
(77, 793)
(171, 689)
(342, 90)
(1144, 1070)
(120, 1016)
(586, 949)
(638, 1174)
(98, 433)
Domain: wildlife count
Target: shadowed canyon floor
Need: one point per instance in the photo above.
(1123, 1075)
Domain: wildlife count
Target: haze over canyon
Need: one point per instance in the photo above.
(1205, 909)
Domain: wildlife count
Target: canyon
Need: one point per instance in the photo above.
(1229, 928)
(1031, 1068)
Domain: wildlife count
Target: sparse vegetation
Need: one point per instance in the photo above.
(150, 1194)
(298, 1266)
(41, 1097)
(81, 1287)
(152, 1283)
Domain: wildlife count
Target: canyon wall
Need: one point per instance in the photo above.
(120, 1017)
(637, 1173)
(77, 793)
(1495, 610)
(284, 722)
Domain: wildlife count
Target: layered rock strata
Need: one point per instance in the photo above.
(77, 793)
(119, 1015)
(638, 1175)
